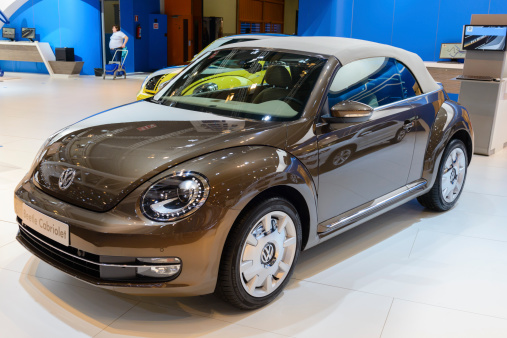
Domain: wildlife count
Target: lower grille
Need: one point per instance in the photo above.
(87, 266)
(60, 253)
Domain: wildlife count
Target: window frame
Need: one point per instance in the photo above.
(327, 107)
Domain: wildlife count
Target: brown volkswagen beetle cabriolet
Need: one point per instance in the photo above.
(221, 189)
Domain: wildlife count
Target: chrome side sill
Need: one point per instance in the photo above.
(370, 208)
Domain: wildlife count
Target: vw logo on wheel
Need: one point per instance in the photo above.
(66, 178)
(267, 253)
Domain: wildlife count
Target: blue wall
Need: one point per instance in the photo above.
(418, 26)
(61, 23)
(138, 57)
(76, 23)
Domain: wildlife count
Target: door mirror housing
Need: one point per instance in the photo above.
(349, 111)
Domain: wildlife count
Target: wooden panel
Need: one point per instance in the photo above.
(65, 67)
(178, 7)
(273, 12)
(445, 76)
(177, 46)
(20, 53)
(249, 10)
(174, 41)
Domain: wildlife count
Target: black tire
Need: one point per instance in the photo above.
(231, 282)
(400, 135)
(434, 199)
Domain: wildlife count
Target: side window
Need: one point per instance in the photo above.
(373, 81)
(409, 83)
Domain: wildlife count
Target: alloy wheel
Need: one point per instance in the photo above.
(453, 175)
(268, 254)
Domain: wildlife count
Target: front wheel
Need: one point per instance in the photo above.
(260, 254)
(450, 180)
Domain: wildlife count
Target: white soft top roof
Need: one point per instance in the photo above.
(347, 50)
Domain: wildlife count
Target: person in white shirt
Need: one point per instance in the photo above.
(118, 41)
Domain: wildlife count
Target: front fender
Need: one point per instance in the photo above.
(451, 120)
(237, 175)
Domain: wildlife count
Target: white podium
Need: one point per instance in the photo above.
(486, 101)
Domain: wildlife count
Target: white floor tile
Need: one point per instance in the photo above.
(487, 180)
(408, 319)
(303, 310)
(8, 233)
(32, 307)
(146, 320)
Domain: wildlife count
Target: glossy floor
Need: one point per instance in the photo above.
(408, 273)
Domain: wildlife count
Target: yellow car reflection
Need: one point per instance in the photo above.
(157, 80)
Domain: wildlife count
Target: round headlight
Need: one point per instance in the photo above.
(175, 196)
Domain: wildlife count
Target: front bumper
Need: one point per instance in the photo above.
(104, 246)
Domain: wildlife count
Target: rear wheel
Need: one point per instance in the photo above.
(450, 180)
(260, 254)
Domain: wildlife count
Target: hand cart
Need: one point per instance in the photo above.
(116, 68)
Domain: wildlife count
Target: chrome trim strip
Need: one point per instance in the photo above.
(22, 227)
(410, 189)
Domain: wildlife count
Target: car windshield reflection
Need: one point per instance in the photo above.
(255, 84)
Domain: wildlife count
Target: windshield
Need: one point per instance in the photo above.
(249, 83)
(221, 42)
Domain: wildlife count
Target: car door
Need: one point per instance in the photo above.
(361, 161)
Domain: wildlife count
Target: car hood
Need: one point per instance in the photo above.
(113, 152)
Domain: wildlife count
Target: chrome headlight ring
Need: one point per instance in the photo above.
(175, 196)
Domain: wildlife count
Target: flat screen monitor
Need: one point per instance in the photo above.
(9, 33)
(452, 51)
(28, 33)
(484, 38)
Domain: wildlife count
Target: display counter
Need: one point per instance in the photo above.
(38, 52)
(27, 51)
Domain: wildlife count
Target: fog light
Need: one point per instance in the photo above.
(171, 267)
(159, 271)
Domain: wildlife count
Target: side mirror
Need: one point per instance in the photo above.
(349, 111)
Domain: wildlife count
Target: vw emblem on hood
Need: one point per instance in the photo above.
(66, 178)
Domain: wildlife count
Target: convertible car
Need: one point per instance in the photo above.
(192, 192)
(157, 80)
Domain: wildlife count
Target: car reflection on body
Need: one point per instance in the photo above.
(156, 81)
(219, 190)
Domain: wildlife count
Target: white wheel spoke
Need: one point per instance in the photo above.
(250, 253)
(266, 223)
(282, 223)
(268, 284)
(250, 271)
(252, 283)
(289, 242)
(449, 195)
(251, 240)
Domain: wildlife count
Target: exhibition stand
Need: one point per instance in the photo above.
(486, 101)
(38, 52)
